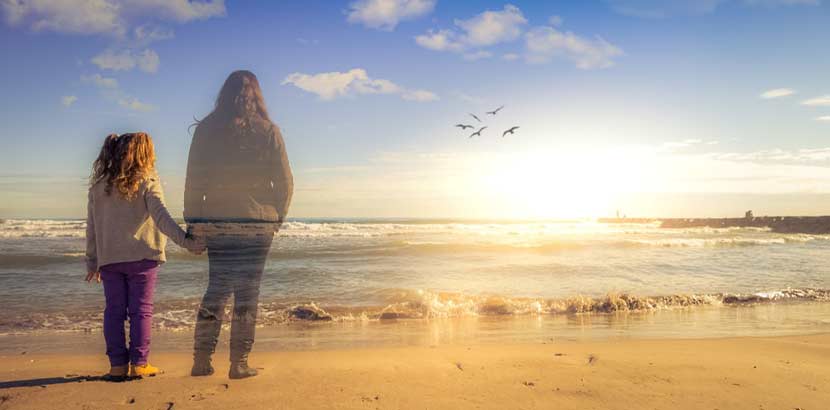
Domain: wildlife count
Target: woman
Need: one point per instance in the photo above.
(126, 230)
(237, 193)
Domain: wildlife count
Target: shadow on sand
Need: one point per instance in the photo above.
(46, 381)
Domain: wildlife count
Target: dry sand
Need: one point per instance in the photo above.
(738, 373)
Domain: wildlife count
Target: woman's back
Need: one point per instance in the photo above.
(237, 174)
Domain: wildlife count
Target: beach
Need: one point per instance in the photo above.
(790, 372)
(387, 314)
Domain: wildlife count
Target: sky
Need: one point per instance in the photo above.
(649, 108)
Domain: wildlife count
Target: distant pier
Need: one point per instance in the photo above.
(780, 224)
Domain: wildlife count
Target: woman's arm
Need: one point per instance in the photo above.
(283, 178)
(154, 199)
(195, 179)
(91, 248)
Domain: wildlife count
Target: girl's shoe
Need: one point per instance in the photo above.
(116, 374)
(144, 370)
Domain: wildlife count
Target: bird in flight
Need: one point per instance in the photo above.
(474, 116)
(510, 131)
(496, 111)
(478, 132)
(463, 126)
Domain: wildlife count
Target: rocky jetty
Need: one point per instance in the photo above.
(780, 224)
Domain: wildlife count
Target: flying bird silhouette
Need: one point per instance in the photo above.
(478, 132)
(510, 131)
(463, 126)
(474, 116)
(496, 111)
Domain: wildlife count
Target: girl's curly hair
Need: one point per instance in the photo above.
(124, 162)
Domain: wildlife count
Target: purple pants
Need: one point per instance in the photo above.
(129, 288)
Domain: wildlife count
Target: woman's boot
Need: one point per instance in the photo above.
(201, 364)
(239, 366)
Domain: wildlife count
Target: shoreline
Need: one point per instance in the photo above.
(726, 373)
(700, 322)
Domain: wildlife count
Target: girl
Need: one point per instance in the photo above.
(237, 193)
(126, 227)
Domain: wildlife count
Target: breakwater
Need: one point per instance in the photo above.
(780, 224)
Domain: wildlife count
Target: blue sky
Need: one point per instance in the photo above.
(677, 107)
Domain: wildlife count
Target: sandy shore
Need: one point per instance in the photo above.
(738, 373)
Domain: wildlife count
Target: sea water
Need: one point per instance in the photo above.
(546, 276)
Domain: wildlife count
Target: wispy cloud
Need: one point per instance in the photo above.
(332, 85)
(100, 81)
(656, 9)
(546, 43)
(484, 29)
(110, 17)
(825, 118)
(386, 14)
(777, 93)
(147, 60)
(110, 90)
(68, 100)
(543, 44)
(821, 101)
(478, 55)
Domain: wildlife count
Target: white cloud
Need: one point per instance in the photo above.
(111, 17)
(331, 85)
(181, 11)
(485, 29)
(441, 40)
(136, 105)
(467, 98)
(147, 60)
(542, 44)
(419, 95)
(68, 100)
(493, 27)
(823, 100)
(545, 43)
(147, 33)
(100, 81)
(110, 90)
(478, 55)
(823, 118)
(777, 93)
(386, 14)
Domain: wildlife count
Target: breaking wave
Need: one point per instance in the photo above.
(416, 305)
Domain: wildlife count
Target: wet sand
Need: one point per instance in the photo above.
(735, 373)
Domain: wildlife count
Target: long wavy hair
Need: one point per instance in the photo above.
(124, 162)
(239, 102)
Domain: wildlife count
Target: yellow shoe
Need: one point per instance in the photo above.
(144, 370)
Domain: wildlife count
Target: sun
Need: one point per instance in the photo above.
(551, 184)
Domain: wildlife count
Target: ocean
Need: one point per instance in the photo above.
(344, 273)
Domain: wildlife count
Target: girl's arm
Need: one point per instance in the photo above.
(154, 199)
(91, 249)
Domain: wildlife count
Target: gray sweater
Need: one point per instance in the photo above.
(118, 230)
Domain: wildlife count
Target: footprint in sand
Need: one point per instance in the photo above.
(202, 395)
(592, 360)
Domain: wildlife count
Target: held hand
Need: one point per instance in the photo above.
(96, 276)
(196, 245)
